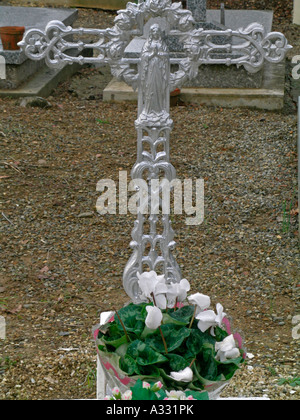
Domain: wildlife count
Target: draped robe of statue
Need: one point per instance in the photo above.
(155, 71)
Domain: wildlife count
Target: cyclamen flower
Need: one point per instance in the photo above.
(177, 291)
(146, 385)
(227, 349)
(201, 302)
(154, 317)
(208, 319)
(152, 284)
(185, 375)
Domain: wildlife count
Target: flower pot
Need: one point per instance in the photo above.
(10, 36)
(174, 97)
(111, 361)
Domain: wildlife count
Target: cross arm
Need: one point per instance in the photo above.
(249, 47)
(57, 45)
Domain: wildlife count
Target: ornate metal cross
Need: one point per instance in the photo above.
(249, 47)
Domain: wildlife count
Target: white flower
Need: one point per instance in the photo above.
(185, 375)
(152, 284)
(176, 395)
(202, 302)
(127, 395)
(177, 291)
(154, 317)
(227, 349)
(208, 319)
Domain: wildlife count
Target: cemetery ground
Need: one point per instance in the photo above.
(62, 263)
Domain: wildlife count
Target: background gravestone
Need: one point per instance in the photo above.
(198, 9)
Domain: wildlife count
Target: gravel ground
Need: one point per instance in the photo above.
(61, 263)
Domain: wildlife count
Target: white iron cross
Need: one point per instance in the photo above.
(249, 47)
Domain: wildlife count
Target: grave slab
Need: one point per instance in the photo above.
(270, 99)
(20, 70)
(235, 19)
(42, 83)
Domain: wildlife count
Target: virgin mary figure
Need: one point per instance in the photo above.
(155, 74)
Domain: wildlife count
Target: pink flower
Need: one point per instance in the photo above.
(157, 386)
(116, 393)
(127, 395)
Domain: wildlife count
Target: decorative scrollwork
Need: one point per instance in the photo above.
(251, 47)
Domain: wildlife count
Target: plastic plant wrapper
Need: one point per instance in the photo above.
(114, 376)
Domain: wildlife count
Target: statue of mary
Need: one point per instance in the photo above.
(155, 75)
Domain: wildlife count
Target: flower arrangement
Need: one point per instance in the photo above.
(169, 338)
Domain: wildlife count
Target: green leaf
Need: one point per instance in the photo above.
(173, 334)
(128, 365)
(102, 121)
(183, 315)
(149, 371)
(115, 342)
(140, 393)
(208, 363)
(147, 331)
(161, 394)
(295, 382)
(229, 367)
(228, 370)
(144, 355)
(220, 334)
(133, 318)
(237, 361)
(197, 340)
(176, 362)
(102, 348)
(167, 319)
(203, 396)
